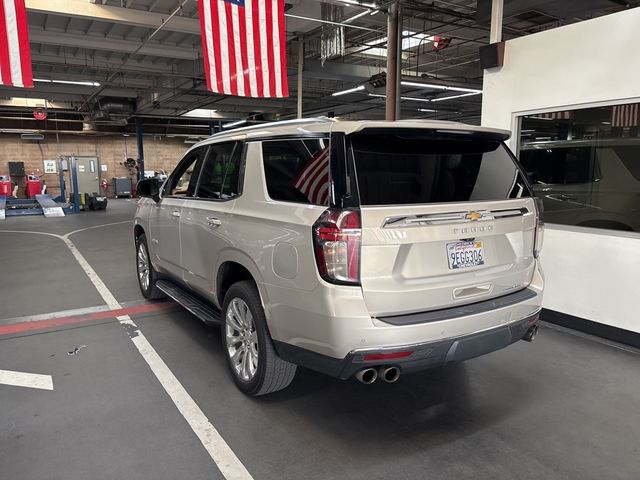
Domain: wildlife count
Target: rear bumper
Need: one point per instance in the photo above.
(423, 355)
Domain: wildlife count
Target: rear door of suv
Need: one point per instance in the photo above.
(447, 219)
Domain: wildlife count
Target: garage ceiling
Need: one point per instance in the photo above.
(108, 42)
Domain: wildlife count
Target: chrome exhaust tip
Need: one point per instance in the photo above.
(389, 374)
(367, 375)
(531, 334)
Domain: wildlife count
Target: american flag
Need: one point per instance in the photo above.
(244, 47)
(313, 179)
(15, 53)
(625, 115)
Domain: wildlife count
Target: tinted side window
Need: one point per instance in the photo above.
(184, 178)
(297, 170)
(221, 172)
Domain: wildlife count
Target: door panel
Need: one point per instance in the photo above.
(204, 226)
(88, 177)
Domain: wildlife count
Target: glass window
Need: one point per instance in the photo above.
(585, 165)
(221, 172)
(182, 182)
(417, 167)
(297, 170)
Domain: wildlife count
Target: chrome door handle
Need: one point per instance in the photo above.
(175, 214)
(214, 222)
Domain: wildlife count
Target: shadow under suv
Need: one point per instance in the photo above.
(364, 249)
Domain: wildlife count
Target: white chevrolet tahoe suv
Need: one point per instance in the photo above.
(366, 249)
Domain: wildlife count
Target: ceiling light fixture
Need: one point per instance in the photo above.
(200, 113)
(427, 110)
(68, 82)
(441, 99)
(440, 87)
(412, 99)
(349, 90)
(355, 3)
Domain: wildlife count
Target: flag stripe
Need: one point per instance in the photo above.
(242, 21)
(217, 48)
(251, 59)
(258, 50)
(5, 66)
(14, 43)
(204, 8)
(270, 42)
(25, 48)
(264, 46)
(231, 46)
(283, 50)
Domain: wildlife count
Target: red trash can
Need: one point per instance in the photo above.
(5, 186)
(33, 186)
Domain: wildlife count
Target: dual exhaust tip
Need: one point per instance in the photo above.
(370, 375)
(531, 334)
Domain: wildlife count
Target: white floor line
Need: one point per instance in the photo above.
(28, 380)
(228, 463)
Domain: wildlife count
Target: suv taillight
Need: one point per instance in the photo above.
(537, 244)
(336, 238)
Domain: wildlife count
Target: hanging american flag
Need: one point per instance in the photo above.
(244, 47)
(625, 115)
(313, 179)
(15, 53)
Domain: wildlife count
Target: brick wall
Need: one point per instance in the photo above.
(159, 152)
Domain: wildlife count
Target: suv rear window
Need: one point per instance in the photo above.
(297, 170)
(414, 168)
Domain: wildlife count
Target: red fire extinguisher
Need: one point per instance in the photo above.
(105, 186)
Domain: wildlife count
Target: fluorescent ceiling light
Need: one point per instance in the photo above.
(455, 96)
(409, 40)
(234, 124)
(200, 113)
(358, 4)
(68, 82)
(350, 90)
(427, 110)
(440, 87)
(412, 99)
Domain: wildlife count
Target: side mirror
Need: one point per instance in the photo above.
(150, 188)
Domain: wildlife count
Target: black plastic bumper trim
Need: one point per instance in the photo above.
(425, 355)
(461, 311)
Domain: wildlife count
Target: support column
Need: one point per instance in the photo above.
(139, 126)
(394, 61)
(300, 68)
(497, 9)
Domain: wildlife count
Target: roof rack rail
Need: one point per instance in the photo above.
(296, 121)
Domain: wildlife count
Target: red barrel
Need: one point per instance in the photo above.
(33, 186)
(5, 186)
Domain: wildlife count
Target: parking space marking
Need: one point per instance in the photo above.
(226, 460)
(28, 380)
(49, 322)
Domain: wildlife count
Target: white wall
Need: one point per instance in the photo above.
(589, 275)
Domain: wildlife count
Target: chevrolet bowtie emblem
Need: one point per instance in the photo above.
(473, 216)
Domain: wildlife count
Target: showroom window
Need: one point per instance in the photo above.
(585, 165)
(297, 170)
(220, 175)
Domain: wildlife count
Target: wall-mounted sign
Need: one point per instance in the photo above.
(103, 168)
(81, 168)
(50, 166)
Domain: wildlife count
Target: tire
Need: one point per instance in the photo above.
(271, 372)
(148, 288)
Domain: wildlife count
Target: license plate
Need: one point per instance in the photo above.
(100, 199)
(465, 254)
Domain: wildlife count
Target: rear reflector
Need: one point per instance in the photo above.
(386, 356)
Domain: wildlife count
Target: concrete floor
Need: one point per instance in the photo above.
(564, 407)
